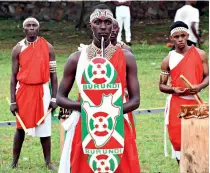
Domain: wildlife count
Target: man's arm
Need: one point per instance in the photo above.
(194, 17)
(195, 32)
(13, 81)
(132, 83)
(164, 76)
(53, 78)
(67, 83)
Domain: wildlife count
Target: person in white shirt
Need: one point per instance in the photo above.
(123, 17)
(190, 16)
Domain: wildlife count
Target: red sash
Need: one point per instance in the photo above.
(34, 72)
(120, 65)
(192, 68)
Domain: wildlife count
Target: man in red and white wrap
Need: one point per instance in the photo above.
(190, 62)
(73, 158)
(33, 72)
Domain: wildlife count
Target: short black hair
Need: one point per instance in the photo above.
(178, 24)
(101, 7)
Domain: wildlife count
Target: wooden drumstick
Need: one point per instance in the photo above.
(40, 121)
(19, 119)
(190, 86)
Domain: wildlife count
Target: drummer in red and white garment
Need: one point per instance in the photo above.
(190, 62)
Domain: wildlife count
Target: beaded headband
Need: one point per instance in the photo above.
(177, 29)
(30, 19)
(99, 13)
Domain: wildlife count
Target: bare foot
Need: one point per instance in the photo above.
(50, 166)
(14, 165)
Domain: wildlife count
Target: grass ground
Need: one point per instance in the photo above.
(149, 127)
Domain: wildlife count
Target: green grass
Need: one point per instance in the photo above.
(149, 127)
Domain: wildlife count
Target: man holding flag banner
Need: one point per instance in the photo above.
(100, 131)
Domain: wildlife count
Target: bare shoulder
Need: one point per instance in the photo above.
(130, 59)
(165, 64)
(50, 46)
(126, 47)
(16, 49)
(71, 64)
(73, 58)
(202, 54)
(128, 54)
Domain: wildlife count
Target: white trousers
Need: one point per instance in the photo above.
(124, 19)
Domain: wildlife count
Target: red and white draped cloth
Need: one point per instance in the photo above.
(73, 159)
(33, 94)
(191, 67)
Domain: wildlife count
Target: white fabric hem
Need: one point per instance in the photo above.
(166, 122)
(174, 154)
(71, 123)
(44, 129)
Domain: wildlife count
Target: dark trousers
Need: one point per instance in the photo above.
(190, 43)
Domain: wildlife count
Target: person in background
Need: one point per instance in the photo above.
(123, 17)
(113, 38)
(190, 16)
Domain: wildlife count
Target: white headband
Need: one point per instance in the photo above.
(177, 29)
(30, 19)
(98, 13)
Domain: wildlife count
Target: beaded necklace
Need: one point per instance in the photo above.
(28, 43)
(94, 51)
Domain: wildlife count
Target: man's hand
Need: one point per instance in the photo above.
(14, 108)
(64, 113)
(53, 105)
(200, 41)
(195, 89)
(187, 91)
(181, 91)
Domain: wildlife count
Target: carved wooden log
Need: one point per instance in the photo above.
(195, 139)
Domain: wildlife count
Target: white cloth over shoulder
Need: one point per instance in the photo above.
(71, 123)
(174, 59)
(81, 46)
